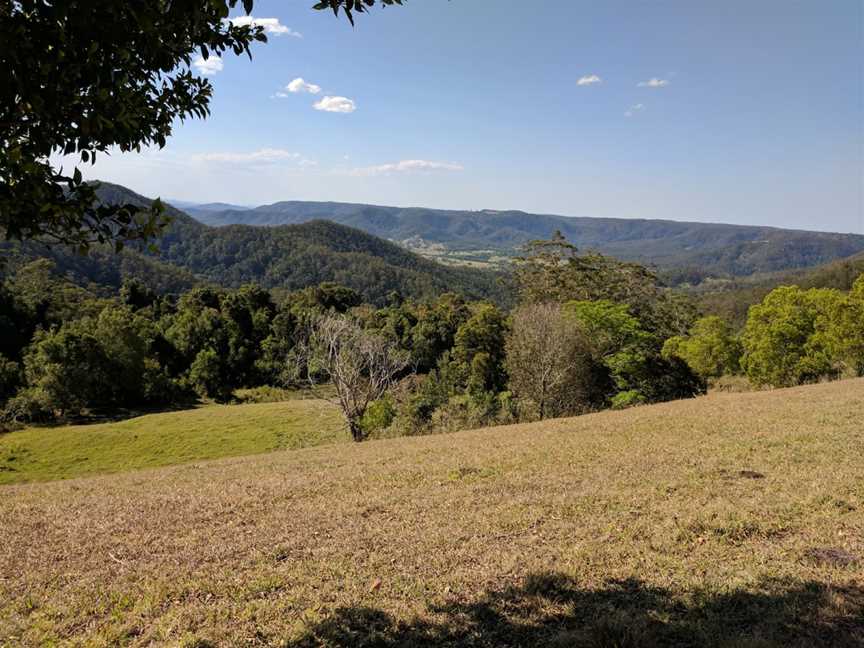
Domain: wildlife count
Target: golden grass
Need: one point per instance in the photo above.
(632, 528)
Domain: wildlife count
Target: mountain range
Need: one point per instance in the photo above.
(706, 249)
(286, 258)
(747, 260)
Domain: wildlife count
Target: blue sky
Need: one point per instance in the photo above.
(754, 115)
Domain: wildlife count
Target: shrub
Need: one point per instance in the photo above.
(379, 416)
(466, 411)
(631, 398)
(205, 376)
(30, 405)
(711, 349)
(10, 377)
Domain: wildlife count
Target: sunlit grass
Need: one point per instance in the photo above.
(210, 432)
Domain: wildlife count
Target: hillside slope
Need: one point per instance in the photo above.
(731, 299)
(288, 257)
(167, 438)
(712, 248)
(728, 520)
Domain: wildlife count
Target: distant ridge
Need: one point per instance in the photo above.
(192, 207)
(285, 258)
(710, 249)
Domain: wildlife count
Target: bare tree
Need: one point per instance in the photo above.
(361, 365)
(547, 360)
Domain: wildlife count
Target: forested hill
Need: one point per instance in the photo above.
(732, 299)
(288, 257)
(713, 249)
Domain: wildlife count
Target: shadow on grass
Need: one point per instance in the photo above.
(552, 610)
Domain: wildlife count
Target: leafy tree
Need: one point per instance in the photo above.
(10, 378)
(135, 294)
(206, 375)
(85, 77)
(629, 351)
(711, 350)
(276, 348)
(547, 360)
(782, 339)
(69, 366)
(554, 271)
(378, 416)
(435, 330)
(609, 326)
(645, 376)
(125, 340)
(89, 76)
(841, 330)
(327, 296)
(43, 299)
(478, 349)
(221, 336)
(353, 6)
(94, 362)
(16, 324)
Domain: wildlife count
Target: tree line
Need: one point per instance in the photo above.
(793, 336)
(588, 332)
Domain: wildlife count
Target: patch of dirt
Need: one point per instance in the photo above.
(751, 474)
(832, 556)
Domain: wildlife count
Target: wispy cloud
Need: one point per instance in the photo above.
(261, 156)
(271, 26)
(589, 79)
(653, 83)
(208, 66)
(636, 108)
(335, 104)
(406, 166)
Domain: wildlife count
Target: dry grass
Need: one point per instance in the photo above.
(632, 528)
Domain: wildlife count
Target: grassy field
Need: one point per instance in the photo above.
(729, 520)
(41, 454)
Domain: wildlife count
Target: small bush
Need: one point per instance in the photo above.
(625, 399)
(159, 388)
(10, 377)
(379, 416)
(732, 384)
(31, 405)
(264, 394)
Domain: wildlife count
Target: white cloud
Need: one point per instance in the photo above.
(335, 104)
(271, 26)
(634, 109)
(208, 66)
(653, 83)
(300, 85)
(407, 166)
(261, 156)
(589, 79)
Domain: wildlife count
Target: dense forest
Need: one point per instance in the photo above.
(69, 351)
(732, 298)
(287, 258)
(586, 332)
